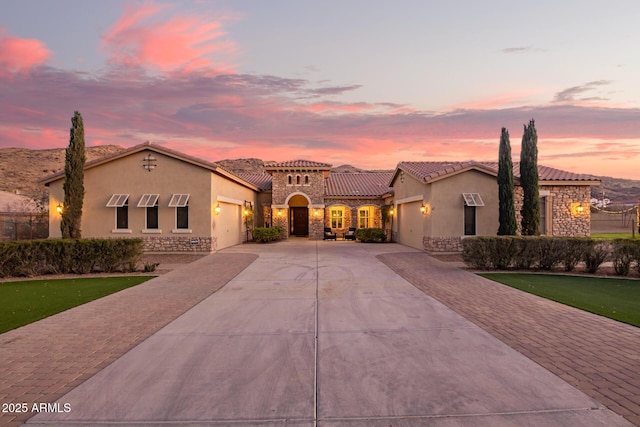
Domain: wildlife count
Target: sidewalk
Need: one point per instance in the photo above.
(43, 361)
(599, 356)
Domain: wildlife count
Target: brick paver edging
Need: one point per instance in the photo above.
(599, 356)
(41, 362)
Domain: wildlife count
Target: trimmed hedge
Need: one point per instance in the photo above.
(60, 256)
(267, 234)
(371, 235)
(546, 253)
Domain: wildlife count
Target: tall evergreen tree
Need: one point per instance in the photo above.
(74, 180)
(506, 209)
(529, 181)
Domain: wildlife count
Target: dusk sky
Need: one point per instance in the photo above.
(369, 83)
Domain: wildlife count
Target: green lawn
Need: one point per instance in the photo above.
(617, 299)
(611, 236)
(25, 302)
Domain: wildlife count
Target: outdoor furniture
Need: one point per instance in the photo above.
(328, 234)
(351, 234)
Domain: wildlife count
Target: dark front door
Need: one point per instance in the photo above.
(299, 221)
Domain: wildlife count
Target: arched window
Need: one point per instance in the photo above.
(289, 180)
(297, 179)
(306, 180)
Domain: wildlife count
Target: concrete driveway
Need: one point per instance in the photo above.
(324, 333)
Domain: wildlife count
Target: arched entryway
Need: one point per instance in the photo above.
(298, 214)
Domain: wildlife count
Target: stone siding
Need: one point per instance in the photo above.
(442, 244)
(281, 189)
(350, 218)
(179, 244)
(564, 219)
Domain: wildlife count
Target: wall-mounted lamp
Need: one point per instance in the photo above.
(424, 209)
(316, 212)
(279, 212)
(577, 209)
(59, 208)
(217, 208)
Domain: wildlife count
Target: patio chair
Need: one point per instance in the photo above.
(351, 234)
(328, 234)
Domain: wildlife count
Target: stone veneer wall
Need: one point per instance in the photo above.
(179, 244)
(351, 214)
(442, 244)
(281, 190)
(564, 220)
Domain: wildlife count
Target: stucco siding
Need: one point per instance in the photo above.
(447, 204)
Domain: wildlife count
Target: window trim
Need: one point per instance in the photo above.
(337, 217)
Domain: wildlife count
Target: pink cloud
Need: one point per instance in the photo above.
(20, 55)
(147, 35)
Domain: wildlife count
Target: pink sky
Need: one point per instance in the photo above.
(174, 79)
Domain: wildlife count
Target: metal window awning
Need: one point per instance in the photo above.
(179, 200)
(472, 199)
(148, 200)
(118, 200)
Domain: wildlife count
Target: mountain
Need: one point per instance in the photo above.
(21, 168)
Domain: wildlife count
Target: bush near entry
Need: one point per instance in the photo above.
(371, 235)
(267, 234)
(545, 253)
(63, 256)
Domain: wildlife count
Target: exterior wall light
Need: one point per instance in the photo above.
(315, 212)
(424, 209)
(59, 208)
(217, 208)
(392, 211)
(577, 209)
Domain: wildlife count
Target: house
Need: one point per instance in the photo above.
(173, 201)
(176, 202)
(440, 203)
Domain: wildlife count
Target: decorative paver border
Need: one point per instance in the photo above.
(599, 356)
(41, 362)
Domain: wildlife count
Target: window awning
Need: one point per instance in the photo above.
(148, 200)
(472, 199)
(118, 200)
(179, 200)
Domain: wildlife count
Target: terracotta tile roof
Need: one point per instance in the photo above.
(298, 164)
(428, 171)
(260, 180)
(358, 184)
(546, 173)
(213, 167)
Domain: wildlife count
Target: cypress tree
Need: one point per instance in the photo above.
(529, 181)
(74, 180)
(506, 209)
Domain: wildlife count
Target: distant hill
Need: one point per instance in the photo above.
(21, 168)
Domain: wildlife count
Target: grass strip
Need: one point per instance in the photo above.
(617, 299)
(28, 301)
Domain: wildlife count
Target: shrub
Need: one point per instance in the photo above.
(476, 252)
(150, 267)
(624, 252)
(527, 252)
(371, 235)
(550, 251)
(29, 258)
(595, 254)
(267, 234)
(573, 252)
